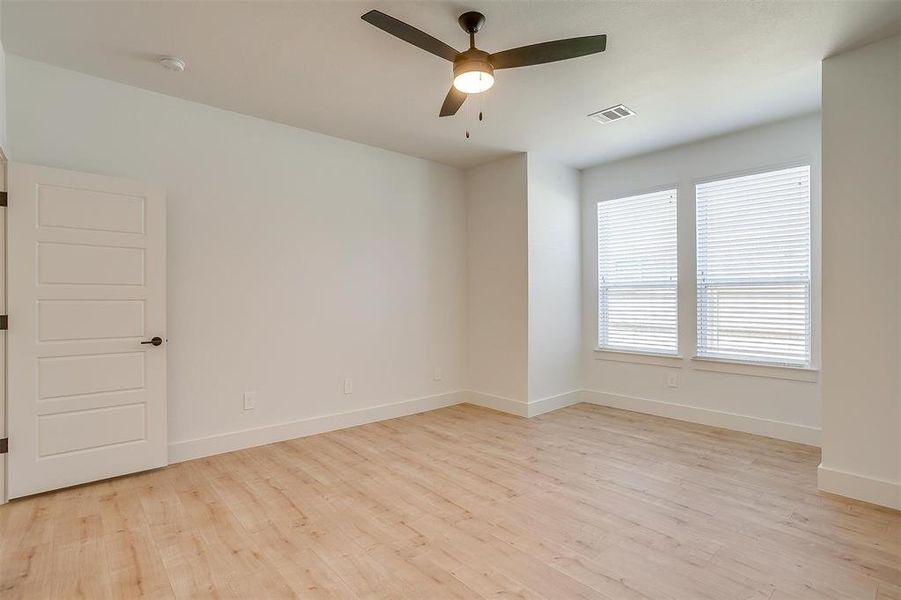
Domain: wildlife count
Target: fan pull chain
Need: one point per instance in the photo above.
(481, 112)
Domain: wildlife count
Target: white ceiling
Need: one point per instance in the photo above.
(689, 69)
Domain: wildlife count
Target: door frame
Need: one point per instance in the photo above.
(3, 367)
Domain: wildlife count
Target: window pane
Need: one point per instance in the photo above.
(637, 273)
(753, 242)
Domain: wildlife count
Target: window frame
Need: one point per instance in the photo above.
(800, 372)
(638, 356)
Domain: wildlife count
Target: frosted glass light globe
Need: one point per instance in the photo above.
(473, 82)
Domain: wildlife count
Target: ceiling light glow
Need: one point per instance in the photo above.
(473, 82)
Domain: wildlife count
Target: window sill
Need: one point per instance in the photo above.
(641, 358)
(755, 370)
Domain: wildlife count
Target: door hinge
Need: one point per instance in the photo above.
(4, 446)
(4, 322)
(3, 199)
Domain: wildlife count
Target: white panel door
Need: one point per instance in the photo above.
(87, 290)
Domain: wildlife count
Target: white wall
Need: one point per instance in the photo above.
(862, 274)
(497, 283)
(760, 402)
(555, 318)
(295, 259)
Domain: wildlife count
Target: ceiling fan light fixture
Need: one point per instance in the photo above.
(473, 82)
(473, 73)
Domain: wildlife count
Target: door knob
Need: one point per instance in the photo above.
(155, 341)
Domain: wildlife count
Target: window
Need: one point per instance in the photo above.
(753, 245)
(637, 274)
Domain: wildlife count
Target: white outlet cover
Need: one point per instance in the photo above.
(250, 400)
(437, 374)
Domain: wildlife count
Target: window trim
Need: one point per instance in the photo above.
(755, 369)
(641, 358)
(638, 356)
(761, 368)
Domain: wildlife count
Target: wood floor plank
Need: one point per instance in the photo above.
(464, 502)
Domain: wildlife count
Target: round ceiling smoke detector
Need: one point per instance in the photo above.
(172, 63)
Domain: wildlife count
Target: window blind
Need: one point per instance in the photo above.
(637, 274)
(753, 248)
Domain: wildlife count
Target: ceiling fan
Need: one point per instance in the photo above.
(474, 68)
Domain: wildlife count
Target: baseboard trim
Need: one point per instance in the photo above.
(248, 438)
(552, 403)
(508, 405)
(860, 487)
(259, 436)
(781, 430)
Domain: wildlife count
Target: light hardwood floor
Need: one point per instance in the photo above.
(463, 502)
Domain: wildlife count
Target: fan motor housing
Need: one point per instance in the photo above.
(473, 60)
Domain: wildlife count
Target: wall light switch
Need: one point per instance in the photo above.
(250, 400)
(437, 375)
(672, 380)
(348, 385)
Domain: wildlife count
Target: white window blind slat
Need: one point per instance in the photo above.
(753, 268)
(637, 274)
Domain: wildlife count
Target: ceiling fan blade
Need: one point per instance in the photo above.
(546, 52)
(410, 34)
(452, 102)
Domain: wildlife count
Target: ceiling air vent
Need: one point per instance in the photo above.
(614, 113)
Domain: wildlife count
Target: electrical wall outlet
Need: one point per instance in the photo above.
(348, 385)
(672, 380)
(250, 400)
(437, 375)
